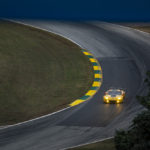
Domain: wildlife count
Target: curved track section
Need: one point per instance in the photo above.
(124, 56)
(96, 83)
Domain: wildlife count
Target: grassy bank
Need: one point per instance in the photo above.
(39, 72)
(139, 26)
(104, 145)
(142, 28)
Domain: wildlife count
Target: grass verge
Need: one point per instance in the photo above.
(139, 26)
(143, 28)
(104, 145)
(40, 72)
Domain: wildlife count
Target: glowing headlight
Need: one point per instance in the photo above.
(119, 98)
(118, 101)
(107, 101)
(106, 97)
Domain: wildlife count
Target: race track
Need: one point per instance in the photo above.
(124, 55)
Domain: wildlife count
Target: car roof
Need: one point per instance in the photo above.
(114, 92)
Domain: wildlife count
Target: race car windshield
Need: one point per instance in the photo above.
(114, 92)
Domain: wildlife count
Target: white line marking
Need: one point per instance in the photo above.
(26, 24)
(7, 126)
(88, 143)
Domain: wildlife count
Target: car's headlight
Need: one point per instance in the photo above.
(118, 101)
(119, 98)
(106, 97)
(107, 101)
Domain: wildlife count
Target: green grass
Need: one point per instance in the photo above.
(40, 72)
(139, 26)
(104, 145)
(143, 28)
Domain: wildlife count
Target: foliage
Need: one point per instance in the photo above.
(145, 100)
(137, 137)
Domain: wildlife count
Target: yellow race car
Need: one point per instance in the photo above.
(114, 96)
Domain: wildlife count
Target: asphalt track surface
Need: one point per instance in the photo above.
(124, 55)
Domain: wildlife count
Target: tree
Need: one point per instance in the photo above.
(137, 137)
(121, 140)
(145, 100)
